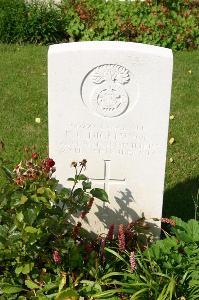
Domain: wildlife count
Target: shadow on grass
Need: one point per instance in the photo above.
(179, 201)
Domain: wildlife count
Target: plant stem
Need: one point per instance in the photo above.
(76, 180)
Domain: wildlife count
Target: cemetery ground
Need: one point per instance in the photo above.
(23, 115)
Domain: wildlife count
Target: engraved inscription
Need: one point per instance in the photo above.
(108, 96)
(124, 142)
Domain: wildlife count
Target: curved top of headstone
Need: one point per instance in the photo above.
(116, 45)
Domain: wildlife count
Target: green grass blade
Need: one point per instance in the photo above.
(117, 255)
(137, 294)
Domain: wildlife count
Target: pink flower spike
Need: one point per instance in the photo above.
(110, 233)
(121, 237)
(132, 261)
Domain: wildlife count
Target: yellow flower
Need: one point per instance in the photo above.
(171, 141)
(37, 120)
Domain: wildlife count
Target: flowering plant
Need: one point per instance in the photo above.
(46, 255)
(37, 237)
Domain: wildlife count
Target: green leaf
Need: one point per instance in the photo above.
(49, 286)
(186, 231)
(18, 270)
(68, 294)
(115, 274)
(20, 216)
(30, 229)
(4, 230)
(193, 230)
(24, 199)
(78, 192)
(65, 192)
(168, 291)
(40, 190)
(31, 214)
(51, 195)
(31, 284)
(35, 198)
(99, 194)
(160, 247)
(62, 282)
(71, 179)
(108, 293)
(7, 172)
(134, 297)
(117, 255)
(81, 177)
(42, 297)
(27, 268)
(11, 289)
(86, 185)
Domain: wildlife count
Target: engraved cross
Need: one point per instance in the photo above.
(107, 180)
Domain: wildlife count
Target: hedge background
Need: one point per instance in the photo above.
(172, 24)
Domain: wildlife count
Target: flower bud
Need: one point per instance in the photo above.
(110, 233)
(56, 257)
(35, 155)
(50, 162)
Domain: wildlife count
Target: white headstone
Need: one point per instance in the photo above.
(109, 103)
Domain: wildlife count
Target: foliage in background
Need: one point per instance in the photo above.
(172, 24)
(12, 20)
(32, 22)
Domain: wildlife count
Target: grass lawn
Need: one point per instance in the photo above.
(23, 97)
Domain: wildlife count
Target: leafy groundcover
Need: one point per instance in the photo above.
(46, 254)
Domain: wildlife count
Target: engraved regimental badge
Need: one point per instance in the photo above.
(107, 96)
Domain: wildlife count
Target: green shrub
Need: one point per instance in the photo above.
(167, 270)
(172, 24)
(13, 16)
(44, 23)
